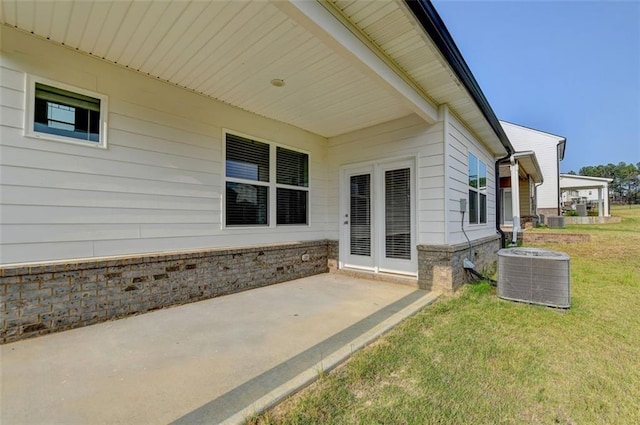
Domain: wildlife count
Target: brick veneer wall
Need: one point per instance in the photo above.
(592, 220)
(333, 252)
(544, 237)
(440, 267)
(51, 297)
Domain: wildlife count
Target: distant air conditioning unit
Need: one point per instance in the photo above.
(555, 222)
(534, 276)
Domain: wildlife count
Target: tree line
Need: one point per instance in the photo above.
(625, 187)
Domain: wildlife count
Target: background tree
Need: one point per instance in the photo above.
(625, 186)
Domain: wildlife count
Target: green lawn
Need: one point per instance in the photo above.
(473, 358)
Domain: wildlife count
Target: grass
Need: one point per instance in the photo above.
(473, 358)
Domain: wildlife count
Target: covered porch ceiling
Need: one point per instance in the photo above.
(527, 166)
(346, 65)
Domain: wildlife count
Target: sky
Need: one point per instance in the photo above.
(570, 68)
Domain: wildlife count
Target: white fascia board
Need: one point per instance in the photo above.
(588, 178)
(315, 18)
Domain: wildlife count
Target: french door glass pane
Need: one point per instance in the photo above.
(398, 214)
(360, 222)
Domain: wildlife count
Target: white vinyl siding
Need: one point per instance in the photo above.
(158, 186)
(545, 147)
(460, 142)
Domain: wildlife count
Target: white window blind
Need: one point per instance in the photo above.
(360, 212)
(250, 191)
(292, 169)
(63, 113)
(398, 213)
(247, 159)
(247, 190)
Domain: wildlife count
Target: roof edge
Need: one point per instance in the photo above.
(532, 129)
(579, 177)
(430, 20)
(534, 161)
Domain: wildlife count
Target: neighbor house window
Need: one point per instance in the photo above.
(63, 113)
(253, 196)
(477, 190)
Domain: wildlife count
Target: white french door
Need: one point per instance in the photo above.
(378, 218)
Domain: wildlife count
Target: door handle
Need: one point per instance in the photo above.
(346, 222)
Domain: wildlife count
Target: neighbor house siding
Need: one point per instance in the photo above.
(460, 143)
(525, 197)
(157, 186)
(545, 146)
(407, 137)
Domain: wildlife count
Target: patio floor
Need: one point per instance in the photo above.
(214, 361)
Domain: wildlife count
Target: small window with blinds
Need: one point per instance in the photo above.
(62, 113)
(252, 196)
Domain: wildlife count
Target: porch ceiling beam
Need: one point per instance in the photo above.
(315, 18)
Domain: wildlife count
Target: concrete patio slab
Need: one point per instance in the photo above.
(214, 361)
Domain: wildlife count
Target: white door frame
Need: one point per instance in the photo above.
(378, 261)
(346, 258)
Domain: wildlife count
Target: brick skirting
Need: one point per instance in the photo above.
(440, 267)
(544, 237)
(592, 220)
(37, 299)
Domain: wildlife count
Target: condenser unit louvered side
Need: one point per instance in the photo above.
(534, 276)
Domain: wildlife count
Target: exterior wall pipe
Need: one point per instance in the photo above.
(514, 171)
(498, 197)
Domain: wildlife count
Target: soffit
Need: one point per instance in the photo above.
(392, 28)
(229, 51)
(527, 166)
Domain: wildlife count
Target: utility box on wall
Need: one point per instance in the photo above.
(534, 276)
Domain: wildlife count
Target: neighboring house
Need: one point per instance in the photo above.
(549, 151)
(155, 153)
(584, 190)
(520, 176)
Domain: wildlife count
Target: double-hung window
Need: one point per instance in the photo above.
(477, 190)
(60, 112)
(264, 181)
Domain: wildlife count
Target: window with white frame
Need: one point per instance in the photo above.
(260, 175)
(63, 113)
(477, 190)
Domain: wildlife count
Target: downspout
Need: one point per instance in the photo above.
(536, 186)
(559, 198)
(560, 156)
(503, 237)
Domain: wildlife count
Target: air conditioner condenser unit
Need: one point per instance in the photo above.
(535, 276)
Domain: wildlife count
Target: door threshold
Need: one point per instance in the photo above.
(380, 276)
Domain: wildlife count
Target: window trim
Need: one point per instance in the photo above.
(272, 185)
(480, 190)
(29, 112)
